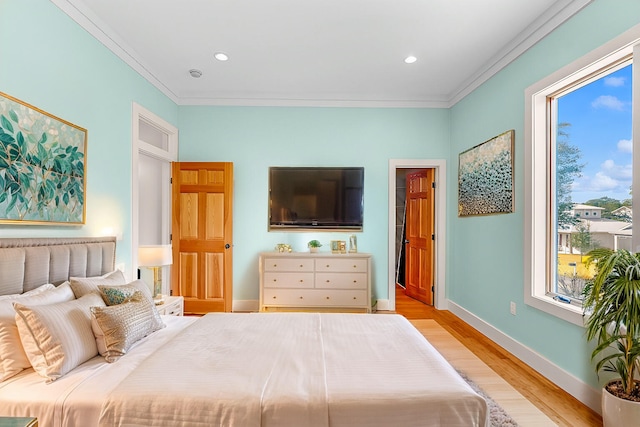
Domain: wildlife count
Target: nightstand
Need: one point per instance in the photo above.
(173, 306)
(18, 422)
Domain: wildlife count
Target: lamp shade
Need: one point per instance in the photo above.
(154, 256)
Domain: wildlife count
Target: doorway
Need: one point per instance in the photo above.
(397, 172)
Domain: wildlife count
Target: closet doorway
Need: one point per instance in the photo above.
(417, 190)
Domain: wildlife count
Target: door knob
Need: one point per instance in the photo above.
(227, 246)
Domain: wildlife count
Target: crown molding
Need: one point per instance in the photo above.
(555, 16)
(559, 13)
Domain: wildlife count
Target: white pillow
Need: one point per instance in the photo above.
(83, 285)
(12, 356)
(58, 337)
(35, 291)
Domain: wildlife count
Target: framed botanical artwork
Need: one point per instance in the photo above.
(485, 177)
(42, 166)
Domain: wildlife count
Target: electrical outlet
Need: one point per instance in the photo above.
(512, 308)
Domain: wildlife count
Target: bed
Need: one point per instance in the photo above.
(222, 369)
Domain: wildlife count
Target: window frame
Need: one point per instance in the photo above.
(538, 208)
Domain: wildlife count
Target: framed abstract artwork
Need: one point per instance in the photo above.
(485, 177)
(42, 166)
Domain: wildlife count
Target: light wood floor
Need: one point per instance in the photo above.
(504, 377)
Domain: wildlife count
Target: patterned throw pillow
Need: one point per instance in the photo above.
(118, 327)
(114, 295)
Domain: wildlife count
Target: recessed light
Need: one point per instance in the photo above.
(221, 56)
(196, 74)
(410, 59)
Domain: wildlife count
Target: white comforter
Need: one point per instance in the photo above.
(295, 369)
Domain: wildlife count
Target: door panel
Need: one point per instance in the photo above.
(419, 235)
(202, 194)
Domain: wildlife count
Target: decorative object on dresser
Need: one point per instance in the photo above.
(313, 245)
(42, 159)
(317, 282)
(173, 306)
(155, 257)
(18, 422)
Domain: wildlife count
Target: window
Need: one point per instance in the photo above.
(578, 151)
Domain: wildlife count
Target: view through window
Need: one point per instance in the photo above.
(592, 161)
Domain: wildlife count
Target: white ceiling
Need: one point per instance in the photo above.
(319, 52)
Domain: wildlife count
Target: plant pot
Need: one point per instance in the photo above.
(313, 250)
(618, 412)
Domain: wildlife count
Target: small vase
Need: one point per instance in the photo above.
(313, 250)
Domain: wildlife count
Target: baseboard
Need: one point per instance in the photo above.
(239, 305)
(563, 379)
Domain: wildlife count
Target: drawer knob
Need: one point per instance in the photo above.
(355, 281)
(328, 281)
(355, 266)
(327, 265)
(355, 298)
(301, 266)
(275, 265)
(301, 281)
(327, 297)
(275, 280)
(301, 297)
(274, 297)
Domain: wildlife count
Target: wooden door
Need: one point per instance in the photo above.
(419, 235)
(202, 195)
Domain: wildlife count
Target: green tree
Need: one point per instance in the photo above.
(568, 168)
(583, 239)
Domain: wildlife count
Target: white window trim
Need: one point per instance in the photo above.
(537, 214)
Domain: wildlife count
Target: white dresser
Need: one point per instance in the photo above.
(315, 281)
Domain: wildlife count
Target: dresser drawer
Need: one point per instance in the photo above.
(284, 264)
(341, 280)
(342, 265)
(315, 298)
(288, 280)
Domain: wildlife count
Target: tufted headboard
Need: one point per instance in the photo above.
(30, 262)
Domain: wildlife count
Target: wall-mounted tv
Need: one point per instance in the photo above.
(316, 198)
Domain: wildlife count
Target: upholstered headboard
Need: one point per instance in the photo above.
(28, 263)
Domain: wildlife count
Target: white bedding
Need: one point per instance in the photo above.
(76, 398)
(260, 369)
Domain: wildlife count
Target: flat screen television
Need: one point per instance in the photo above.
(316, 197)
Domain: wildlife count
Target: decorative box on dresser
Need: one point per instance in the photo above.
(173, 306)
(315, 281)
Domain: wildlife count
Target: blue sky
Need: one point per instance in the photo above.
(600, 117)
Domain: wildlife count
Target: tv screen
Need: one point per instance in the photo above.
(316, 197)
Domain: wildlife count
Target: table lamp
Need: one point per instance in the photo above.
(155, 257)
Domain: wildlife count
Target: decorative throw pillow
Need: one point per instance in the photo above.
(114, 295)
(84, 285)
(58, 337)
(12, 356)
(117, 293)
(118, 327)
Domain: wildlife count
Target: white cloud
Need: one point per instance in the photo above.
(614, 81)
(610, 168)
(625, 146)
(603, 182)
(608, 101)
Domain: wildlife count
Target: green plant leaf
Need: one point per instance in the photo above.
(13, 116)
(6, 123)
(6, 138)
(3, 197)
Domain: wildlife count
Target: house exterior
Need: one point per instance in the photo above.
(605, 233)
(50, 61)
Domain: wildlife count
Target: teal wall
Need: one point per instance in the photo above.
(486, 253)
(50, 62)
(254, 138)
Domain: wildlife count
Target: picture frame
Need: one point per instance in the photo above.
(42, 166)
(485, 177)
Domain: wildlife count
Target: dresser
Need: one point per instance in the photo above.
(315, 281)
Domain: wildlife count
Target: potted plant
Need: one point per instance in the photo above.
(313, 245)
(612, 307)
